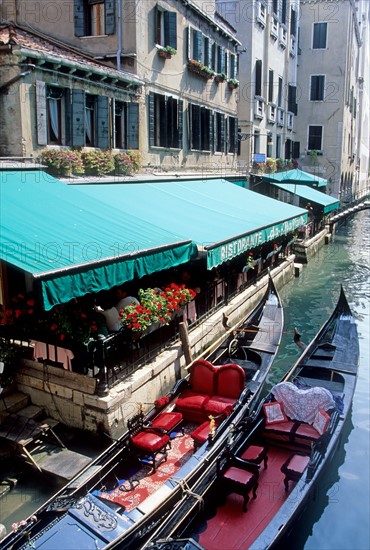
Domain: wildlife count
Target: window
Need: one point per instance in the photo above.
(94, 17)
(275, 7)
(292, 99)
(233, 66)
(219, 132)
(296, 149)
(256, 145)
(221, 66)
(126, 125)
(278, 147)
(319, 36)
(55, 111)
(280, 92)
(269, 145)
(258, 83)
(293, 22)
(165, 121)
(317, 87)
(283, 11)
(165, 28)
(200, 128)
(315, 138)
(271, 86)
(90, 121)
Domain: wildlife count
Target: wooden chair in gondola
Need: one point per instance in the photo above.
(146, 442)
(238, 476)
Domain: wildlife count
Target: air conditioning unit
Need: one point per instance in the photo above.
(258, 108)
(274, 28)
(280, 117)
(283, 36)
(271, 117)
(289, 121)
(293, 46)
(261, 14)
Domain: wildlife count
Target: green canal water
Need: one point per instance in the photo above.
(338, 517)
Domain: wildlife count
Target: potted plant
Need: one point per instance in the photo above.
(200, 69)
(166, 51)
(233, 83)
(220, 77)
(62, 162)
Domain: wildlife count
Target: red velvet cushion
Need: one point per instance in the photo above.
(280, 427)
(274, 413)
(149, 441)
(167, 421)
(321, 421)
(201, 433)
(202, 377)
(230, 380)
(218, 405)
(191, 400)
(306, 430)
(297, 463)
(237, 474)
(253, 452)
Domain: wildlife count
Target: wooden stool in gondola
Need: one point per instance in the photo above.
(238, 477)
(293, 468)
(256, 454)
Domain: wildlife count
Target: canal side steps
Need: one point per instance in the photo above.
(30, 432)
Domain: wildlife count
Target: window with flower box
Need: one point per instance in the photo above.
(165, 28)
(94, 17)
(165, 121)
(200, 128)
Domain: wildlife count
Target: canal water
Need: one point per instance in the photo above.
(338, 517)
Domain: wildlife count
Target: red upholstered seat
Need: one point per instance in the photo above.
(238, 475)
(256, 454)
(191, 404)
(293, 468)
(218, 405)
(306, 430)
(150, 441)
(167, 421)
(200, 434)
(230, 381)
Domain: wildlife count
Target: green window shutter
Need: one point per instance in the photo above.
(189, 43)
(222, 60)
(41, 113)
(197, 45)
(222, 133)
(236, 135)
(110, 16)
(232, 66)
(79, 17)
(180, 117)
(68, 115)
(151, 100)
(213, 56)
(207, 52)
(211, 131)
(170, 29)
(133, 126)
(103, 122)
(78, 118)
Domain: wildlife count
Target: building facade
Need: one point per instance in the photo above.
(268, 74)
(333, 78)
(155, 76)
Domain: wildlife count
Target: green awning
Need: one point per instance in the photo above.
(296, 176)
(328, 203)
(219, 216)
(74, 244)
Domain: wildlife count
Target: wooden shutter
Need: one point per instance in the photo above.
(222, 60)
(41, 114)
(79, 17)
(68, 124)
(197, 45)
(213, 56)
(133, 126)
(296, 149)
(110, 16)
(222, 133)
(207, 52)
(151, 100)
(103, 122)
(258, 84)
(211, 131)
(180, 123)
(170, 29)
(78, 118)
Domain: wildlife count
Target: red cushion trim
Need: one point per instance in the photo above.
(167, 421)
(149, 441)
(236, 474)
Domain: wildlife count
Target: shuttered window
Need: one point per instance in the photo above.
(165, 121)
(219, 123)
(94, 17)
(317, 87)
(232, 134)
(292, 99)
(165, 28)
(314, 138)
(200, 128)
(258, 73)
(319, 36)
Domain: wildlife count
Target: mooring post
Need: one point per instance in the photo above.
(184, 337)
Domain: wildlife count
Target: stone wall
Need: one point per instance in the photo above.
(70, 397)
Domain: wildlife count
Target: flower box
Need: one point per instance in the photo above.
(232, 85)
(165, 54)
(201, 70)
(220, 78)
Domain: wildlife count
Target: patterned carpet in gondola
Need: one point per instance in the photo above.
(143, 482)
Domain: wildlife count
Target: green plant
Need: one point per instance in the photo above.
(98, 161)
(280, 164)
(63, 160)
(233, 82)
(169, 49)
(271, 165)
(128, 162)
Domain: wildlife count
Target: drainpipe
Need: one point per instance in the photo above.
(4, 87)
(119, 51)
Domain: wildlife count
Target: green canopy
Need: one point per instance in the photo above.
(328, 203)
(75, 244)
(296, 176)
(219, 216)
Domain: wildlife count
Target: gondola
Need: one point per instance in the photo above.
(266, 474)
(126, 492)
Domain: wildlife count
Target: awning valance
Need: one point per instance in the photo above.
(327, 202)
(74, 244)
(219, 216)
(299, 177)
